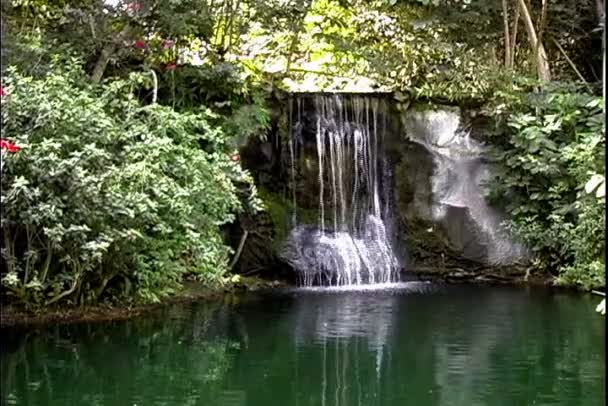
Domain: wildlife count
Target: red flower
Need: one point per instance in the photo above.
(167, 43)
(236, 157)
(9, 146)
(135, 6)
(2, 92)
(139, 44)
(171, 66)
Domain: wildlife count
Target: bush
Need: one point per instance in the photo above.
(552, 144)
(108, 197)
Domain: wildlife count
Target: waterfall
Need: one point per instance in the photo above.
(349, 244)
(460, 171)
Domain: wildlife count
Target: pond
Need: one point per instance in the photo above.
(414, 344)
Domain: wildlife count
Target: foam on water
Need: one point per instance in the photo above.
(412, 286)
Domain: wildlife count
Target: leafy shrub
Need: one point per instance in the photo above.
(240, 106)
(552, 144)
(109, 197)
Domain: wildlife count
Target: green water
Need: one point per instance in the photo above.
(422, 345)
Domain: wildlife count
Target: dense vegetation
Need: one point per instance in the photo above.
(104, 188)
(121, 122)
(551, 147)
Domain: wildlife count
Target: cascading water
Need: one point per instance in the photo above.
(460, 171)
(350, 243)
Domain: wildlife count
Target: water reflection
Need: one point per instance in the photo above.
(415, 346)
(144, 361)
(352, 330)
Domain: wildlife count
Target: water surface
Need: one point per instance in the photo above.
(417, 344)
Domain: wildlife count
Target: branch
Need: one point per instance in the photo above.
(239, 250)
(155, 80)
(104, 283)
(92, 26)
(580, 76)
(47, 262)
(316, 72)
(65, 293)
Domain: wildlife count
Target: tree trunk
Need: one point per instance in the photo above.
(541, 29)
(514, 35)
(106, 53)
(102, 62)
(514, 31)
(505, 18)
(542, 64)
(599, 4)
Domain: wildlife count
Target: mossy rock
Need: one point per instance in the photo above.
(267, 231)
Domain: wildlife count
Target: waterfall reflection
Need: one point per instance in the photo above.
(352, 332)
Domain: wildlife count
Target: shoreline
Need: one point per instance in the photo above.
(12, 316)
(483, 276)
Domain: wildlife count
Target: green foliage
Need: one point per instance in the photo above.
(551, 146)
(109, 197)
(228, 90)
(445, 49)
(366, 46)
(248, 121)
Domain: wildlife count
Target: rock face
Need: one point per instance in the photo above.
(358, 191)
(440, 175)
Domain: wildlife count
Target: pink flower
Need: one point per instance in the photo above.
(171, 66)
(134, 6)
(167, 43)
(236, 157)
(139, 44)
(9, 146)
(2, 92)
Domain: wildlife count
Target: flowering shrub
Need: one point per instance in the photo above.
(110, 198)
(9, 146)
